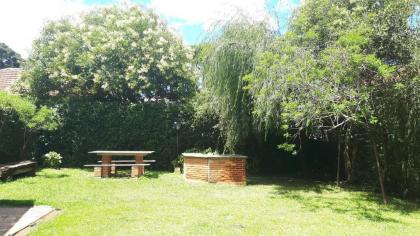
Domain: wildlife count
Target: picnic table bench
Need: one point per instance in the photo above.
(128, 161)
(108, 167)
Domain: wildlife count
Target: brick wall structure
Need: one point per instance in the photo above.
(212, 168)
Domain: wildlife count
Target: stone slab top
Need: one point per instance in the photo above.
(215, 156)
(17, 164)
(121, 153)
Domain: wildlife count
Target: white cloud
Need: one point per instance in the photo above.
(207, 13)
(21, 20)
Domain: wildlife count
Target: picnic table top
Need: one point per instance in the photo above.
(122, 153)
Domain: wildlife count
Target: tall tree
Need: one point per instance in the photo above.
(8, 57)
(117, 53)
(230, 55)
(329, 74)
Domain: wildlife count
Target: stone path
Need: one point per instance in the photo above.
(15, 219)
(9, 216)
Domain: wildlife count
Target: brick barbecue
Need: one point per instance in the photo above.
(213, 168)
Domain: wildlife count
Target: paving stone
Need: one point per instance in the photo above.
(9, 216)
(15, 219)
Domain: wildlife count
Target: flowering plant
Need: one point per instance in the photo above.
(53, 159)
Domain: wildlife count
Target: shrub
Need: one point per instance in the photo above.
(21, 123)
(53, 159)
(178, 162)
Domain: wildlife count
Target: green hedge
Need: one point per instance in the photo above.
(94, 125)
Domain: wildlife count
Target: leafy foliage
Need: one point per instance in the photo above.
(19, 121)
(228, 57)
(52, 159)
(178, 163)
(117, 53)
(118, 78)
(339, 73)
(96, 125)
(8, 57)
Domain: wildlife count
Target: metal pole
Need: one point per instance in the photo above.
(177, 127)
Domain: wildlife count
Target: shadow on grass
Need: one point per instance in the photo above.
(319, 195)
(152, 174)
(125, 173)
(52, 175)
(16, 203)
(56, 174)
(290, 184)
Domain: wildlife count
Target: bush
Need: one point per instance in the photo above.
(178, 162)
(20, 125)
(53, 160)
(89, 125)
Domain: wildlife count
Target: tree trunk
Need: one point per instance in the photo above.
(378, 166)
(338, 159)
(24, 146)
(354, 147)
(302, 155)
(2, 124)
(347, 161)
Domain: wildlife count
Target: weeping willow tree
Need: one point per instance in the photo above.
(230, 55)
(340, 72)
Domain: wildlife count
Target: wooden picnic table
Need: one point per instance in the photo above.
(137, 169)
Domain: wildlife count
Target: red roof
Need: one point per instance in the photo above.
(8, 77)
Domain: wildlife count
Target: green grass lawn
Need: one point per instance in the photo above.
(163, 203)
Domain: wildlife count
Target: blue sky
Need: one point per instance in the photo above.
(190, 18)
(193, 33)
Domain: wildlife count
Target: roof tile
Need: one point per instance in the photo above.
(8, 77)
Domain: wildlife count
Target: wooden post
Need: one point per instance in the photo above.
(106, 170)
(137, 171)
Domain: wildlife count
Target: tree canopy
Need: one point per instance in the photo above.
(333, 68)
(25, 112)
(344, 71)
(8, 57)
(116, 53)
(333, 74)
(20, 119)
(229, 56)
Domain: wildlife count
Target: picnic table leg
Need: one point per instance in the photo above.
(106, 170)
(113, 170)
(137, 171)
